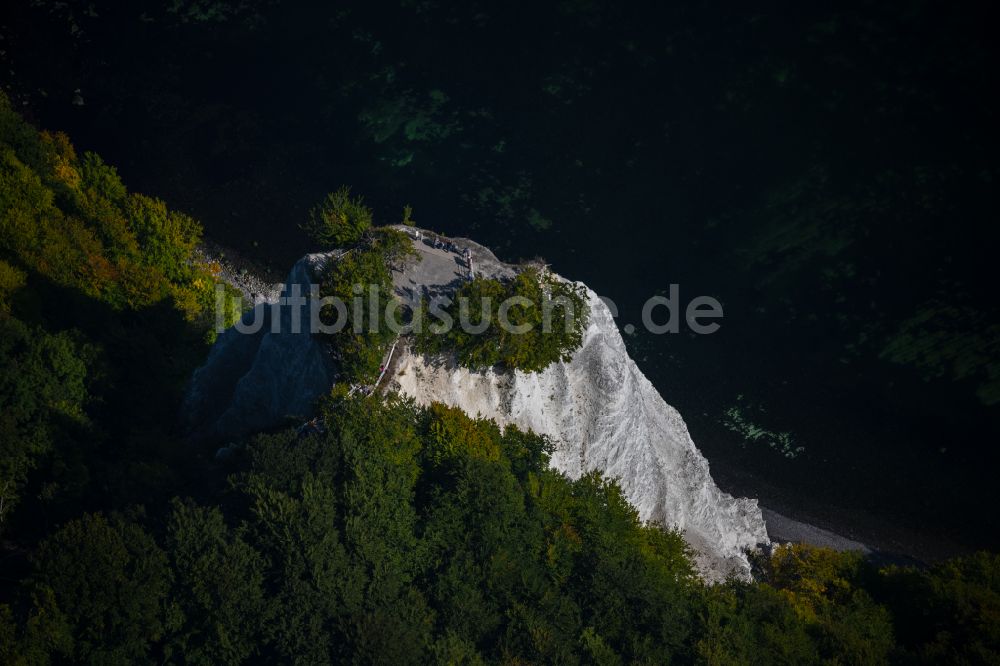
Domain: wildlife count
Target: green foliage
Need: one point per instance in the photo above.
(530, 322)
(36, 636)
(42, 393)
(415, 534)
(810, 606)
(749, 624)
(167, 237)
(394, 246)
(225, 309)
(950, 612)
(339, 220)
(403, 125)
(361, 279)
(219, 584)
(99, 283)
(335, 518)
(109, 581)
(71, 221)
(481, 544)
(944, 339)
(396, 533)
(11, 279)
(825, 589)
(104, 307)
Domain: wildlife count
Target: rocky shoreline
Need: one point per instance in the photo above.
(256, 282)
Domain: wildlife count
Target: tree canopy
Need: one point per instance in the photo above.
(339, 220)
(361, 280)
(419, 534)
(527, 323)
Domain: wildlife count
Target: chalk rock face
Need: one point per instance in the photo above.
(598, 408)
(264, 370)
(603, 414)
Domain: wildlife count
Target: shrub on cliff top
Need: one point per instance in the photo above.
(527, 323)
(339, 219)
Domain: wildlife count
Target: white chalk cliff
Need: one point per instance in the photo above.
(603, 414)
(598, 408)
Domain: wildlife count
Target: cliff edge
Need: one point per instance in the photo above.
(598, 408)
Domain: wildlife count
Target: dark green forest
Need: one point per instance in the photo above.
(382, 533)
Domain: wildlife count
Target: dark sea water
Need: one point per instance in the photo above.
(828, 176)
